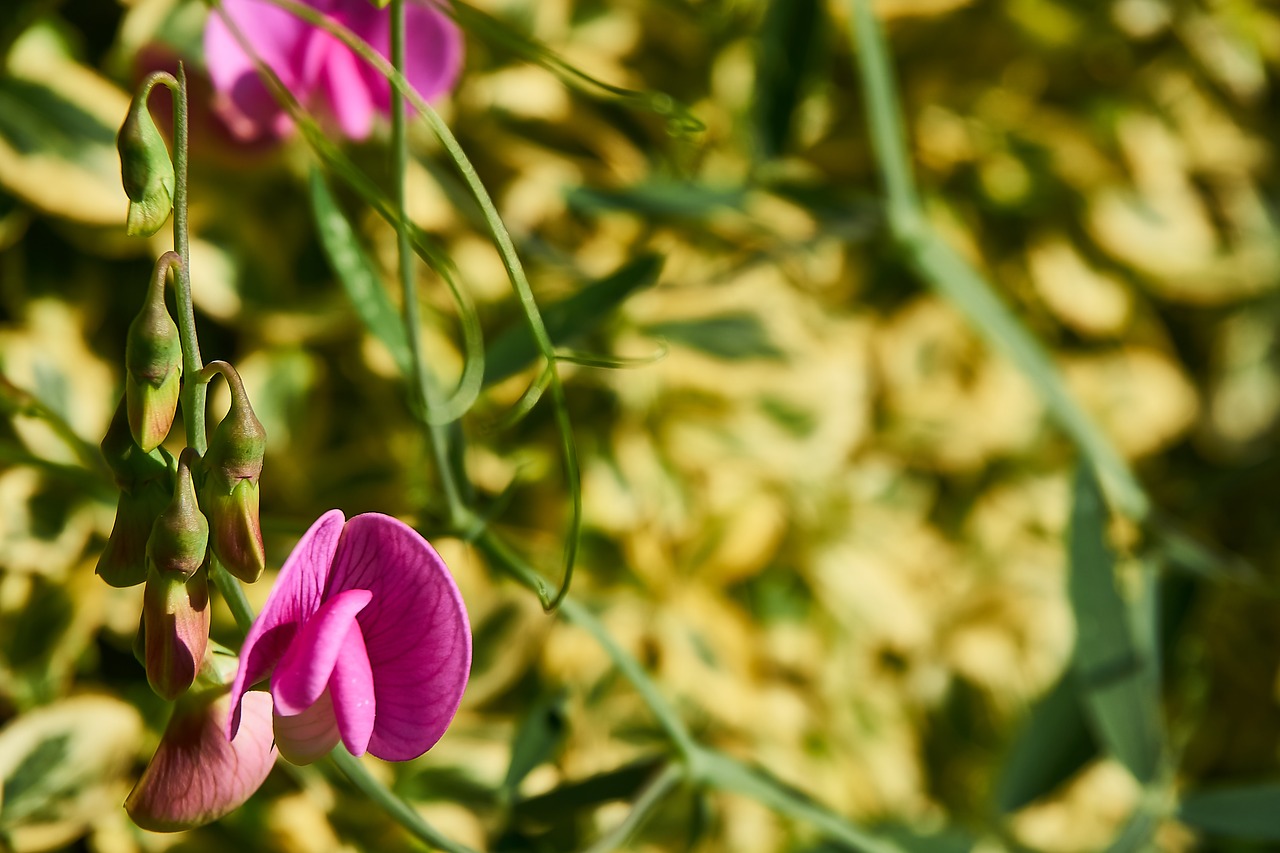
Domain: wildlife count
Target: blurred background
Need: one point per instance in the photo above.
(828, 520)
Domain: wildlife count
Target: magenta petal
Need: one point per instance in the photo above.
(415, 631)
(433, 50)
(351, 687)
(196, 775)
(275, 37)
(304, 671)
(348, 95)
(295, 597)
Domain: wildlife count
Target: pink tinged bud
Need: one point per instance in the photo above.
(365, 639)
(197, 775)
(145, 169)
(181, 534)
(153, 364)
(229, 494)
(175, 628)
(146, 483)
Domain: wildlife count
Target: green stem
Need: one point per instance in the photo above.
(422, 379)
(645, 803)
(948, 273)
(397, 808)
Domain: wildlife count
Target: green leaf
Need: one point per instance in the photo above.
(732, 337)
(619, 784)
(357, 274)
(1115, 679)
(538, 739)
(1053, 745)
(1249, 812)
(659, 199)
(569, 319)
(787, 48)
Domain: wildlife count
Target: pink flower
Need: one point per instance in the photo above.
(197, 774)
(317, 68)
(365, 639)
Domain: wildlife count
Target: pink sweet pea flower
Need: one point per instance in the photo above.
(366, 640)
(318, 69)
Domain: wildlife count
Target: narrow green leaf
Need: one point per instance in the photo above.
(571, 318)
(538, 739)
(1053, 745)
(618, 784)
(659, 199)
(732, 337)
(1247, 812)
(1118, 691)
(788, 44)
(357, 274)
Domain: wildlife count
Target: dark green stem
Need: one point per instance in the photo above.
(422, 381)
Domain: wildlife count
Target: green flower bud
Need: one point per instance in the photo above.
(229, 493)
(145, 169)
(175, 628)
(146, 485)
(181, 535)
(153, 364)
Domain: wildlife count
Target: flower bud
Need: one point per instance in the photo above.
(175, 628)
(145, 481)
(197, 775)
(229, 494)
(145, 169)
(181, 534)
(153, 364)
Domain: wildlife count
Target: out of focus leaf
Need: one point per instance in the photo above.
(788, 38)
(1249, 812)
(569, 319)
(357, 274)
(58, 123)
(732, 337)
(63, 767)
(538, 739)
(1054, 744)
(606, 787)
(1110, 668)
(672, 200)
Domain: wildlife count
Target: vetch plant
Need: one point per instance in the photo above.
(319, 70)
(365, 639)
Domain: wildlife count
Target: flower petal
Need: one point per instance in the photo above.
(351, 687)
(302, 674)
(415, 631)
(296, 595)
(433, 50)
(345, 90)
(302, 738)
(196, 775)
(275, 36)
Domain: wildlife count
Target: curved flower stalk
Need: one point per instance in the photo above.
(366, 640)
(322, 72)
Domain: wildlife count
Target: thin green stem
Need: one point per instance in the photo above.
(648, 799)
(422, 379)
(397, 808)
(948, 273)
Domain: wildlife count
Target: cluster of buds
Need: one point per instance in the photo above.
(173, 517)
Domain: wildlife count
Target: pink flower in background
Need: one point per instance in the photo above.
(365, 639)
(317, 68)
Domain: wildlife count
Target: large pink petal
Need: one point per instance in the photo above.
(196, 775)
(351, 687)
(345, 90)
(303, 673)
(276, 37)
(415, 630)
(296, 596)
(433, 50)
